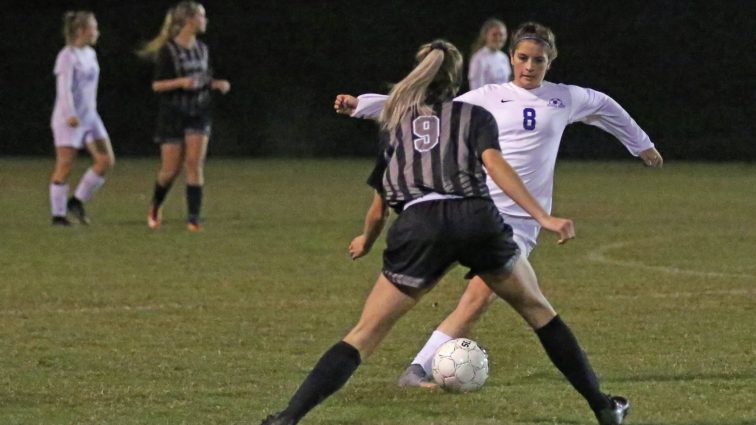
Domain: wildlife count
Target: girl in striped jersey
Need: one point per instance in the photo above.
(75, 122)
(183, 80)
(531, 115)
(435, 152)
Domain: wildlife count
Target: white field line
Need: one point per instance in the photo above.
(599, 255)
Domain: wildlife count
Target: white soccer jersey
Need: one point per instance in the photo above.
(531, 123)
(77, 74)
(488, 67)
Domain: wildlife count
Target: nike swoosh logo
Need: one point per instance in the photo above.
(505, 101)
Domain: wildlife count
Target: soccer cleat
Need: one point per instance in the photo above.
(415, 376)
(614, 414)
(60, 221)
(193, 224)
(76, 208)
(276, 419)
(153, 217)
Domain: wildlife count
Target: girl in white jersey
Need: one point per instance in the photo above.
(488, 64)
(531, 115)
(75, 122)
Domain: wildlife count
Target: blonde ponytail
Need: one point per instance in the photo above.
(436, 75)
(175, 19)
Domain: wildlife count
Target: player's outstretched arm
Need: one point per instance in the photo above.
(509, 182)
(375, 219)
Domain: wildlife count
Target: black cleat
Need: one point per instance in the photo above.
(76, 208)
(614, 414)
(60, 221)
(277, 419)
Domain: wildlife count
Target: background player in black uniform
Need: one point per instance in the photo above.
(183, 79)
(434, 175)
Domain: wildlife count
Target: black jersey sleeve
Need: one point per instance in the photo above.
(484, 132)
(164, 68)
(375, 180)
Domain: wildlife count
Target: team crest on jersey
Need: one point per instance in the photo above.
(556, 102)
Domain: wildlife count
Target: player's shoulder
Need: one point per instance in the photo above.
(478, 54)
(477, 112)
(66, 53)
(64, 58)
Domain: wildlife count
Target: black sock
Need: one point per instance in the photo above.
(194, 200)
(331, 373)
(565, 352)
(159, 194)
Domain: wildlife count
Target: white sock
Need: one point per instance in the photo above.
(88, 185)
(58, 199)
(425, 357)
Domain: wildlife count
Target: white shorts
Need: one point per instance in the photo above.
(86, 132)
(525, 231)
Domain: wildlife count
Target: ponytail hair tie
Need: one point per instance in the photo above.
(440, 45)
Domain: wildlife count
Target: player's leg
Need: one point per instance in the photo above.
(194, 161)
(103, 159)
(520, 290)
(383, 308)
(473, 303)
(64, 158)
(171, 160)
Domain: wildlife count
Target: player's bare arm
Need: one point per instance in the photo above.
(505, 177)
(374, 221)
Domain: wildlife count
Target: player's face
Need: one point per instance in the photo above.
(199, 20)
(529, 64)
(90, 33)
(496, 37)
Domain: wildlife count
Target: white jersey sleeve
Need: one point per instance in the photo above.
(64, 75)
(475, 75)
(599, 110)
(369, 106)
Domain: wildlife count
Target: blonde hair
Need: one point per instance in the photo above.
(538, 32)
(175, 19)
(436, 77)
(73, 21)
(481, 40)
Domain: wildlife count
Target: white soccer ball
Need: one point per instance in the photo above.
(460, 366)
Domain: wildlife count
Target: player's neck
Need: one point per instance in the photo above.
(185, 39)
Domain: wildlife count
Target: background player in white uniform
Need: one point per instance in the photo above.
(488, 64)
(75, 122)
(531, 115)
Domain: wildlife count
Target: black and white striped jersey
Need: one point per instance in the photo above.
(176, 61)
(439, 153)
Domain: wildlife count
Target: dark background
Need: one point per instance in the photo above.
(684, 70)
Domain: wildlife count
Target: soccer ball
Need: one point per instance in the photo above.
(460, 366)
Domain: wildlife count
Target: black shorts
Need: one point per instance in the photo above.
(430, 237)
(173, 125)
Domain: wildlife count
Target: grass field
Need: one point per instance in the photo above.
(117, 324)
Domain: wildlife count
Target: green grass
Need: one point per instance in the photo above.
(116, 324)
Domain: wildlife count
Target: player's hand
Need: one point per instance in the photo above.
(72, 122)
(187, 83)
(357, 248)
(222, 86)
(562, 226)
(652, 158)
(345, 104)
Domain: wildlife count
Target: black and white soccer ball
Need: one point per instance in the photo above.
(460, 366)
